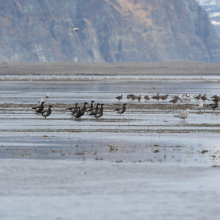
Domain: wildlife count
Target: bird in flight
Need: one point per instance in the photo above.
(73, 28)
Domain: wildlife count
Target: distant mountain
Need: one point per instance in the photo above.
(109, 31)
(212, 7)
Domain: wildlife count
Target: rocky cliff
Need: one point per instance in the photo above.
(109, 31)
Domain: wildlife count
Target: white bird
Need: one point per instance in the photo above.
(47, 95)
(187, 98)
(41, 100)
(39, 103)
(74, 29)
(199, 106)
(183, 115)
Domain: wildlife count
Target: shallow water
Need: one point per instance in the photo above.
(144, 164)
(133, 136)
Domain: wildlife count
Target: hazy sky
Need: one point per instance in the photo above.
(212, 7)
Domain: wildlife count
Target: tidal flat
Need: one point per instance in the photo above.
(131, 166)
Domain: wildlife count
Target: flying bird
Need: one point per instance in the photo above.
(73, 28)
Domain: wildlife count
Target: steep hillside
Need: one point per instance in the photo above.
(109, 30)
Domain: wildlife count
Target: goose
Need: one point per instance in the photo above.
(38, 104)
(131, 96)
(176, 97)
(47, 112)
(179, 97)
(217, 99)
(174, 100)
(82, 111)
(40, 101)
(121, 110)
(213, 105)
(204, 98)
(183, 115)
(77, 115)
(90, 108)
(198, 97)
(73, 109)
(73, 28)
(119, 97)
(215, 96)
(39, 109)
(138, 98)
(146, 97)
(95, 111)
(164, 97)
(100, 112)
(155, 96)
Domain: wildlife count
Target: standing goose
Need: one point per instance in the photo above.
(119, 97)
(174, 100)
(213, 105)
(215, 96)
(155, 96)
(131, 96)
(204, 98)
(77, 115)
(146, 97)
(121, 110)
(139, 98)
(72, 109)
(217, 99)
(176, 97)
(198, 97)
(39, 109)
(100, 112)
(38, 104)
(164, 97)
(95, 111)
(82, 111)
(47, 112)
(90, 108)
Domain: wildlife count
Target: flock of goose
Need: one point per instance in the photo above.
(182, 98)
(76, 111)
(97, 111)
(175, 99)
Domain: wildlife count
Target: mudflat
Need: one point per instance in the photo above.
(145, 163)
(157, 68)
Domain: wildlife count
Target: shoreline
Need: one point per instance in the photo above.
(65, 69)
